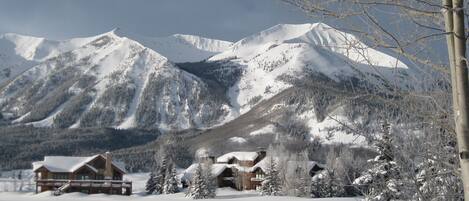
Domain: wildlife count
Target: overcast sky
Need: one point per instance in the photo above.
(222, 19)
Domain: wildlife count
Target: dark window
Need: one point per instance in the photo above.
(83, 177)
(117, 177)
(60, 176)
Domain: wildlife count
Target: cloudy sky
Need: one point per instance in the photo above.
(222, 19)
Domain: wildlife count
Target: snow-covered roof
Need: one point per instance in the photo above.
(241, 156)
(68, 163)
(217, 169)
(264, 164)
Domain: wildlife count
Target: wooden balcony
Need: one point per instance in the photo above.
(85, 183)
(91, 186)
(257, 179)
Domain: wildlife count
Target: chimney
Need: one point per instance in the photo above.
(262, 153)
(207, 159)
(108, 168)
(212, 159)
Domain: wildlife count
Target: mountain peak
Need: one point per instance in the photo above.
(316, 35)
(285, 32)
(115, 30)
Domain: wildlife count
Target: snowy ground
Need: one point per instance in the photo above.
(138, 185)
(222, 194)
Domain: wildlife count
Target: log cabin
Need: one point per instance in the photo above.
(93, 174)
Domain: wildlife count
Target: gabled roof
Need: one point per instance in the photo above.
(217, 169)
(68, 163)
(263, 164)
(291, 165)
(241, 156)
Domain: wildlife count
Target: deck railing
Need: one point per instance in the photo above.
(85, 183)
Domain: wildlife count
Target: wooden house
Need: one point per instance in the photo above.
(244, 170)
(231, 170)
(94, 174)
(240, 166)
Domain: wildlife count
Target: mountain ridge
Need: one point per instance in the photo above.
(123, 80)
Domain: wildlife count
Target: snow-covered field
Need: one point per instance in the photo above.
(138, 185)
(222, 194)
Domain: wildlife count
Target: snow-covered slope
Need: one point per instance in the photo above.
(180, 47)
(111, 81)
(124, 80)
(307, 77)
(272, 59)
(317, 34)
(19, 52)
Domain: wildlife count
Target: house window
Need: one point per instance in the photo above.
(259, 175)
(60, 176)
(83, 177)
(258, 187)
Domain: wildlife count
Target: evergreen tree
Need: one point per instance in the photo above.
(161, 159)
(151, 184)
(436, 183)
(198, 185)
(325, 184)
(210, 180)
(382, 181)
(272, 183)
(171, 183)
(159, 180)
(435, 180)
(203, 184)
(331, 181)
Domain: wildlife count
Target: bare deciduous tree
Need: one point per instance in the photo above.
(417, 32)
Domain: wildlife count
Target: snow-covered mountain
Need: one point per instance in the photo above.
(269, 60)
(318, 35)
(19, 52)
(124, 80)
(180, 47)
(289, 74)
(111, 81)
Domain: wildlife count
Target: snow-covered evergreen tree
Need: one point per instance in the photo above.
(151, 184)
(203, 184)
(272, 183)
(436, 180)
(198, 186)
(382, 181)
(330, 182)
(162, 160)
(171, 183)
(325, 184)
(436, 183)
(210, 180)
(159, 180)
